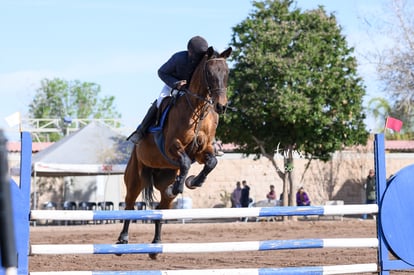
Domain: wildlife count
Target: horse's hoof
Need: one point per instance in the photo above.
(188, 182)
(153, 256)
(120, 242)
(169, 192)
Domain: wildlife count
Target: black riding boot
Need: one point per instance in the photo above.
(148, 120)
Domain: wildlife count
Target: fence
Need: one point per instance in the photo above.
(394, 227)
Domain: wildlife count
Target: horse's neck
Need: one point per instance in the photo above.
(198, 83)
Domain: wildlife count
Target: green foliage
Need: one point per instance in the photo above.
(59, 98)
(225, 197)
(294, 83)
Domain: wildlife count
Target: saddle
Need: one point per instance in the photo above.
(157, 128)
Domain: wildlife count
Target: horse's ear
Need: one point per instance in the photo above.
(226, 53)
(210, 51)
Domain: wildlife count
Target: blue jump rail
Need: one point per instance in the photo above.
(60, 249)
(204, 213)
(314, 270)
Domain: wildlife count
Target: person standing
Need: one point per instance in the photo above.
(236, 195)
(245, 195)
(370, 190)
(271, 196)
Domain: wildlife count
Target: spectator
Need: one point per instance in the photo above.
(302, 198)
(235, 196)
(370, 189)
(245, 193)
(272, 193)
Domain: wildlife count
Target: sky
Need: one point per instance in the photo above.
(121, 44)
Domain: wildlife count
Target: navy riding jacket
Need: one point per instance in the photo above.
(179, 67)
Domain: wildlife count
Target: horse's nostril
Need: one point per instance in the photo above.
(220, 108)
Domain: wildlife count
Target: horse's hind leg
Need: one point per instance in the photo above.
(163, 179)
(129, 205)
(197, 181)
(134, 186)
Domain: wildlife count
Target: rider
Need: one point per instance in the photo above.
(176, 74)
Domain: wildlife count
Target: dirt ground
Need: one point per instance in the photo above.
(193, 231)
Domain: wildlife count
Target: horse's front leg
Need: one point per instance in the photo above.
(123, 236)
(178, 186)
(197, 181)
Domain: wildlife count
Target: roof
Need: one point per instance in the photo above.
(399, 145)
(93, 150)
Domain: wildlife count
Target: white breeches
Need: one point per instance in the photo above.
(166, 91)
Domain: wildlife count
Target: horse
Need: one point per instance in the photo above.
(189, 132)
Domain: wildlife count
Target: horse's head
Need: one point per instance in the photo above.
(216, 74)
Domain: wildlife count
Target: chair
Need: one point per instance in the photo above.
(121, 205)
(154, 205)
(92, 205)
(69, 205)
(251, 204)
(86, 205)
(106, 206)
(141, 205)
(337, 202)
(83, 205)
(50, 205)
(265, 203)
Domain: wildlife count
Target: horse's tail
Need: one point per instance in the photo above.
(148, 193)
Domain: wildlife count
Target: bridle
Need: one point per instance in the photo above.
(208, 100)
(210, 91)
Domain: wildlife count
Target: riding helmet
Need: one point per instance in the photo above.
(198, 45)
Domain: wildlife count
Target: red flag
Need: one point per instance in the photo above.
(393, 124)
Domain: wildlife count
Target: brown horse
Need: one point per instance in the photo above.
(188, 132)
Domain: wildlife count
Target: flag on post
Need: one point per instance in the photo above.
(393, 124)
(13, 119)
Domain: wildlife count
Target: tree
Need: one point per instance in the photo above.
(395, 63)
(61, 99)
(293, 86)
(379, 108)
